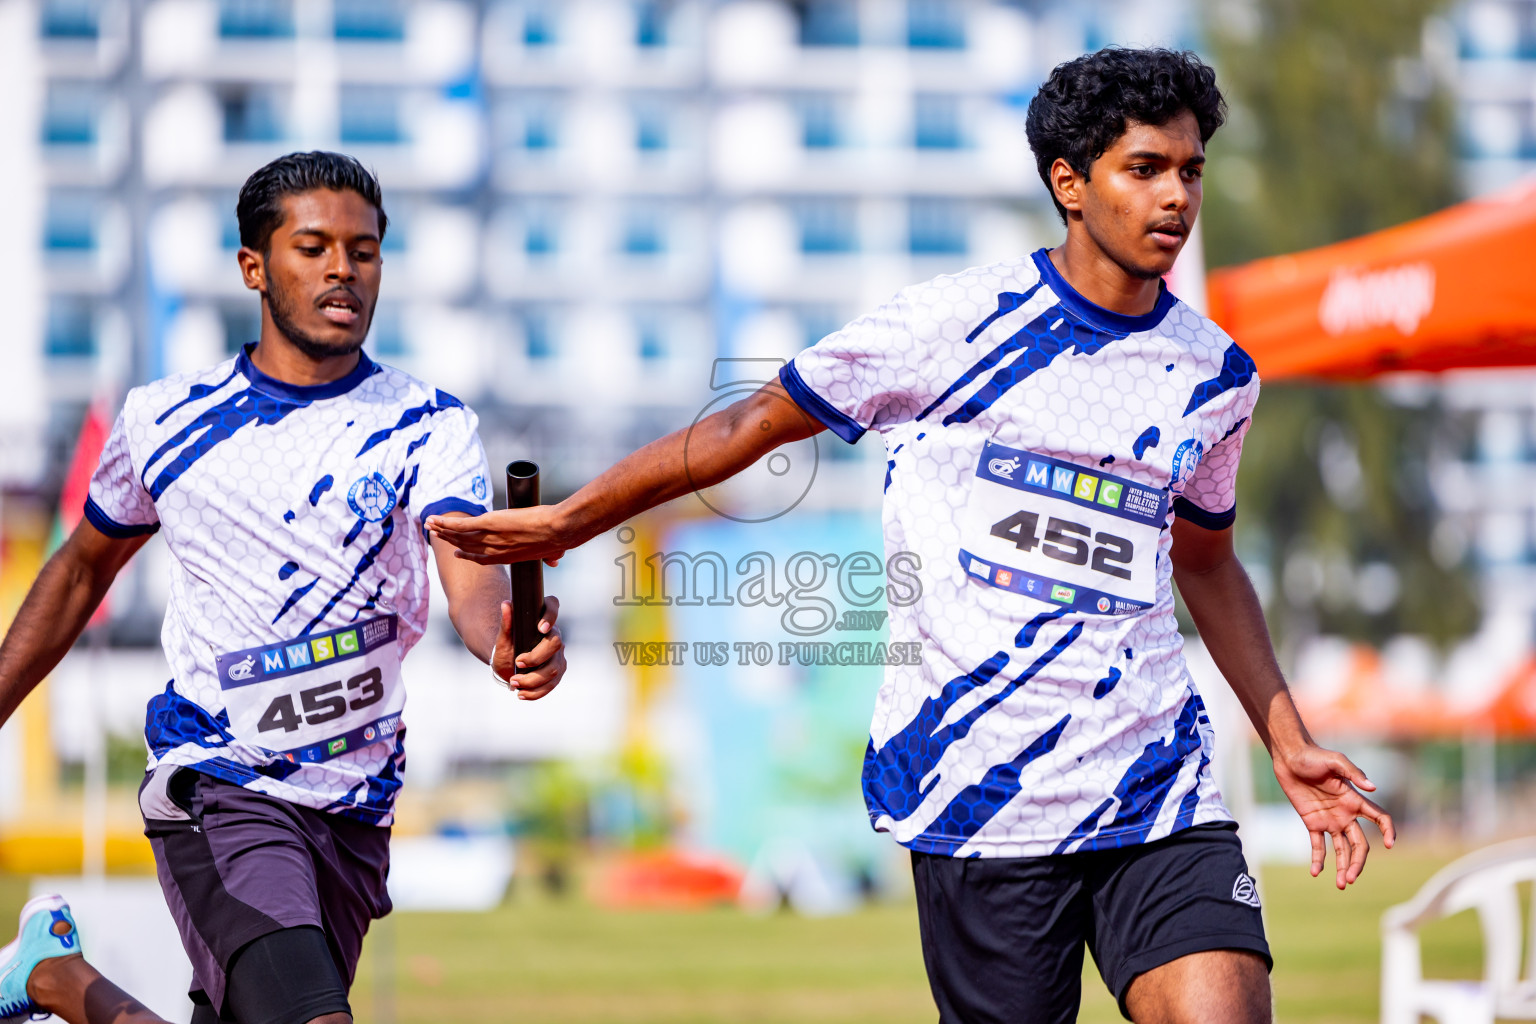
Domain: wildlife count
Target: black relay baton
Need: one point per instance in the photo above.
(527, 577)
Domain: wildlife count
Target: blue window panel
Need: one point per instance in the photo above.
(252, 115)
(70, 19)
(540, 128)
(650, 130)
(540, 239)
(819, 321)
(936, 122)
(936, 227)
(643, 235)
(935, 25)
(827, 225)
(653, 343)
(369, 20)
(394, 236)
(255, 19)
(70, 226)
(540, 226)
(371, 116)
(538, 342)
(69, 116)
(242, 325)
(539, 28)
(650, 25)
(388, 333)
(229, 224)
(828, 23)
(820, 124)
(71, 328)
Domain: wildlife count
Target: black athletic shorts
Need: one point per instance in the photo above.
(1003, 938)
(238, 866)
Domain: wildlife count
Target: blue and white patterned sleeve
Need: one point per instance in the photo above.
(117, 503)
(453, 474)
(1210, 496)
(866, 376)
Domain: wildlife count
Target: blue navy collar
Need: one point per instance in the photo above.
(303, 393)
(1092, 313)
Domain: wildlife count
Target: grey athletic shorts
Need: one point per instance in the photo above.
(236, 864)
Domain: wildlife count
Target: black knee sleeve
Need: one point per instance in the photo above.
(284, 977)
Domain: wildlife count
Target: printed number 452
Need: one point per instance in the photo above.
(322, 703)
(1064, 541)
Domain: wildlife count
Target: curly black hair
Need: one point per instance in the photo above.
(259, 208)
(1086, 103)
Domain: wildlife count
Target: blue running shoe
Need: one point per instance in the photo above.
(47, 930)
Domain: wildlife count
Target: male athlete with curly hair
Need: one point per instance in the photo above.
(1063, 436)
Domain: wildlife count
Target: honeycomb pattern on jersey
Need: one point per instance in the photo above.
(262, 552)
(1009, 739)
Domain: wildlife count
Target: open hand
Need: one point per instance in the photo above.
(505, 535)
(1322, 785)
(535, 673)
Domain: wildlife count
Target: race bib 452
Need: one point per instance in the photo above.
(1066, 535)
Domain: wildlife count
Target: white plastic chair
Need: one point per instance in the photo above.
(1486, 882)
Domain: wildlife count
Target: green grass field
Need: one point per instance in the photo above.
(537, 960)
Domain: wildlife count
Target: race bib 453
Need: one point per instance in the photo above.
(313, 698)
(1054, 531)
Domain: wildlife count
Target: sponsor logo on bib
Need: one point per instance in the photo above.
(1004, 467)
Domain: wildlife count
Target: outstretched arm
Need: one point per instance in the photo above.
(1321, 784)
(714, 449)
(57, 608)
(480, 608)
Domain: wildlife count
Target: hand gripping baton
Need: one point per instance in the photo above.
(527, 577)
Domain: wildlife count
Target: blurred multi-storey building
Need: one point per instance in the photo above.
(590, 200)
(1486, 479)
(1494, 52)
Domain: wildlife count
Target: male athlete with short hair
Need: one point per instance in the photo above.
(291, 483)
(1063, 436)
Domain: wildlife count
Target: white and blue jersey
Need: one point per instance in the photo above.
(298, 566)
(1038, 448)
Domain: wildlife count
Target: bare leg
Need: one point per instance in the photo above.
(68, 987)
(1221, 986)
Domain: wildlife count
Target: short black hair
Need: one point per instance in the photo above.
(259, 208)
(1084, 107)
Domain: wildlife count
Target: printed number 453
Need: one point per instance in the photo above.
(1064, 541)
(322, 703)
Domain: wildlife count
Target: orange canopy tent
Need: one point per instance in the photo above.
(1454, 289)
(1367, 704)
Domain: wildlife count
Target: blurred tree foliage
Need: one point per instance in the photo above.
(1339, 125)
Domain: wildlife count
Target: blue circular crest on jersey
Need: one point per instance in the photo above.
(372, 497)
(478, 487)
(1185, 458)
